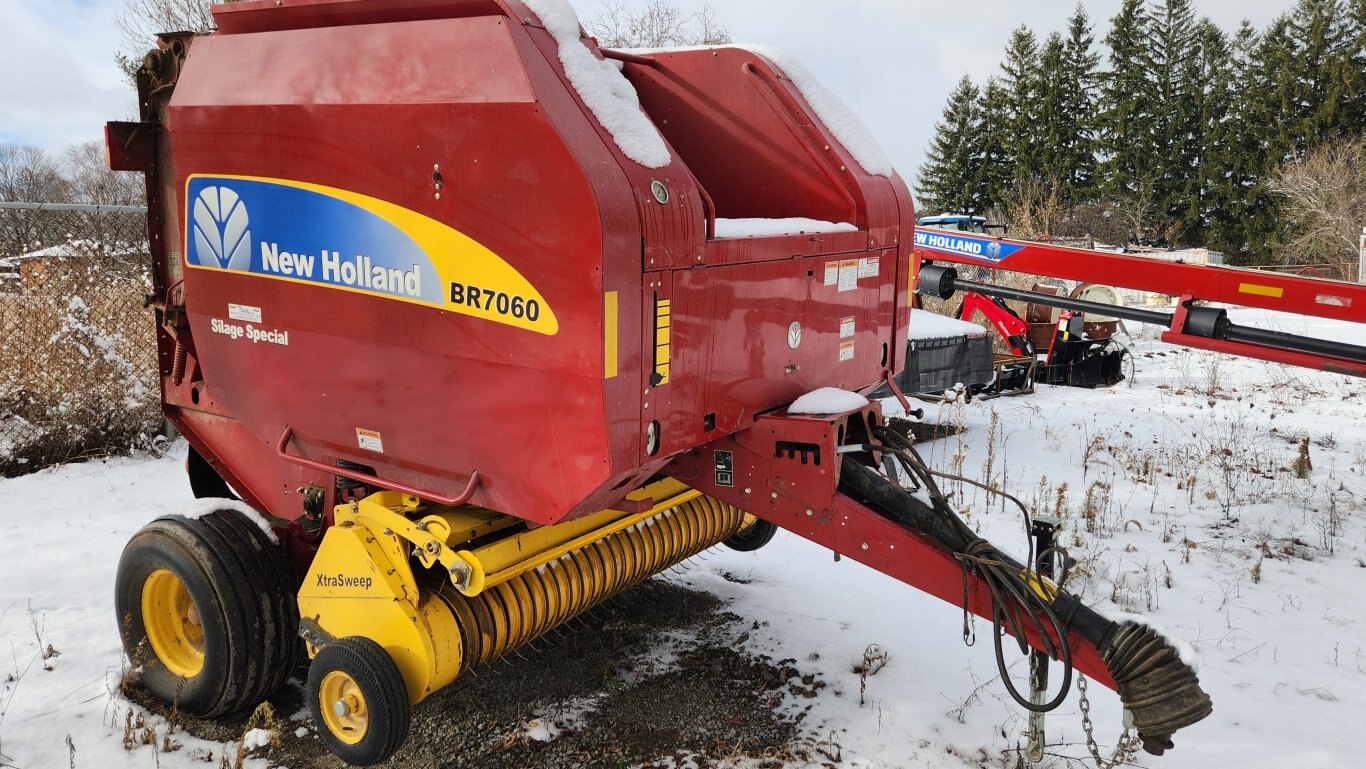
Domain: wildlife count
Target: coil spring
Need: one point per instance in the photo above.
(514, 613)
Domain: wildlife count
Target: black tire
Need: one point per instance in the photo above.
(385, 699)
(751, 537)
(245, 613)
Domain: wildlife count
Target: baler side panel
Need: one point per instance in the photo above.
(428, 381)
(617, 185)
(736, 352)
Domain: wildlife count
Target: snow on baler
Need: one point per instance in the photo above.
(484, 325)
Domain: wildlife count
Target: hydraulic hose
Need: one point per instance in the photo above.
(1161, 691)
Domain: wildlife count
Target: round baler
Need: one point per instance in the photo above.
(483, 325)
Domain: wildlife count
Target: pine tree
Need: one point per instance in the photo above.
(1172, 43)
(1052, 128)
(948, 179)
(1232, 145)
(1079, 109)
(1262, 139)
(1272, 74)
(1125, 121)
(1203, 150)
(1322, 40)
(1020, 79)
(997, 166)
(1354, 70)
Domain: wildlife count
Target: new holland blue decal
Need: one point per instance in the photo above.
(963, 244)
(309, 233)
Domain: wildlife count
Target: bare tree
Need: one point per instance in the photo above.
(89, 179)
(1325, 201)
(1096, 221)
(1034, 207)
(660, 24)
(29, 175)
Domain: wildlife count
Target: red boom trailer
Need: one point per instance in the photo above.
(445, 293)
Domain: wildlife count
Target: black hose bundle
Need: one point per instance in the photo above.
(1018, 599)
(1161, 691)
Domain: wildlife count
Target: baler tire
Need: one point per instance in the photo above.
(373, 682)
(752, 537)
(224, 609)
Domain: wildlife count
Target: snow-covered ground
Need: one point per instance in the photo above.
(1261, 571)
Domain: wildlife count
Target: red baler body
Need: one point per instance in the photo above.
(390, 120)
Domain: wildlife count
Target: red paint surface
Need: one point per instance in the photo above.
(369, 97)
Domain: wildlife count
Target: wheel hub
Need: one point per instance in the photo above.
(172, 623)
(348, 719)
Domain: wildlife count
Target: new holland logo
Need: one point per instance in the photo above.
(986, 249)
(220, 229)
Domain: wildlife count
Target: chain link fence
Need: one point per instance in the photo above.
(78, 374)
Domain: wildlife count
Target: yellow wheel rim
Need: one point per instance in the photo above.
(343, 709)
(172, 623)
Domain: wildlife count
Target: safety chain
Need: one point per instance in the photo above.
(1128, 744)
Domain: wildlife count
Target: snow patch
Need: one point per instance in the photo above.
(827, 400)
(202, 507)
(604, 89)
(928, 325)
(751, 228)
(255, 739)
(550, 722)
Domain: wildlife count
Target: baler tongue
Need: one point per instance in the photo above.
(1159, 689)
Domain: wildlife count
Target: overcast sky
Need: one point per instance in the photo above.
(894, 61)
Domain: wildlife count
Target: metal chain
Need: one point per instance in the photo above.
(1127, 743)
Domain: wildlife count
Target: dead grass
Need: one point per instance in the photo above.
(78, 371)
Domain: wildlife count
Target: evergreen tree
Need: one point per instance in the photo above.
(1020, 79)
(1051, 129)
(1078, 110)
(1272, 74)
(948, 178)
(1175, 119)
(1322, 40)
(1259, 137)
(1203, 151)
(1234, 147)
(1126, 120)
(997, 166)
(1354, 70)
